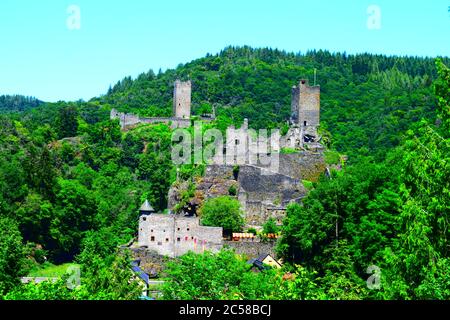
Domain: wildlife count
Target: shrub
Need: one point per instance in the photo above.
(222, 212)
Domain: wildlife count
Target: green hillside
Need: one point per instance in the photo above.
(18, 103)
(71, 181)
(368, 101)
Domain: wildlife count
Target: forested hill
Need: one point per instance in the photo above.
(71, 182)
(17, 103)
(368, 101)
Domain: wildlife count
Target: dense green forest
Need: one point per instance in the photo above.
(17, 103)
(71, 181)
(367, 101)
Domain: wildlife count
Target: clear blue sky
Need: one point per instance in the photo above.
(40, 56)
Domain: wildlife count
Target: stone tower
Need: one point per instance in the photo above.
(182, 100)
(305, 108)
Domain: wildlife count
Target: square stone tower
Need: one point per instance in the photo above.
(182, 100)
(305, 107)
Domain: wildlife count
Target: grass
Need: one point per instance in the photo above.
(308, 184)
(332, 157)
(288, 150)
(49, 270)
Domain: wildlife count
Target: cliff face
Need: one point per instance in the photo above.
(304, 165)
(262, 194)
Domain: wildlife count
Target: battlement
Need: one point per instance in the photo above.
(183, 84)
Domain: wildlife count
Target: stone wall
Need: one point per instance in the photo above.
(304, 165)
(262, 196)
(154, 264)
(124, 118)
(263, 185)
(295, 103)
(216, 171)
(128, 120)
(309, 105)
(174, 123)
(182, 100)
(151, 262)
(252, 249)
(174, 235)
(258, 212)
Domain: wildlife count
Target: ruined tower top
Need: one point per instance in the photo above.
(306, 105)
(182, 99)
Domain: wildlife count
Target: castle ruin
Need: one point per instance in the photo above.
(305, 117)
(182, 99)
(266, 195)
(262, 196)
(181, 110)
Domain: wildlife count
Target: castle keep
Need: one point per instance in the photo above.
(305, 105)
(181, 110)
(182, 100)
(305, 116)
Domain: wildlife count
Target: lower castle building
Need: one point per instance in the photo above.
(175, 235)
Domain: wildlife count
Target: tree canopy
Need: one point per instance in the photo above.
(71, 181)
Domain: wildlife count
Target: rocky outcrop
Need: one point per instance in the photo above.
(304, 165)
(151, 262)
(262, 194)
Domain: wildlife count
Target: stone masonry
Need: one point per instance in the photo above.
(128, 120)
(182, 99)
(181, 111)
(305, 116)
(174, 235)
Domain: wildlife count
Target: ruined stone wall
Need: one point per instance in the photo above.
(258, 212)
(252, 249)
(293, 139)
(295, 104)
(173, 122)
(304, 165)
(260, 194)
(182, 99)
(128, 120)
(269, 186)
(309, 105)
(225, 172)
(253, 210)
(151, 262)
